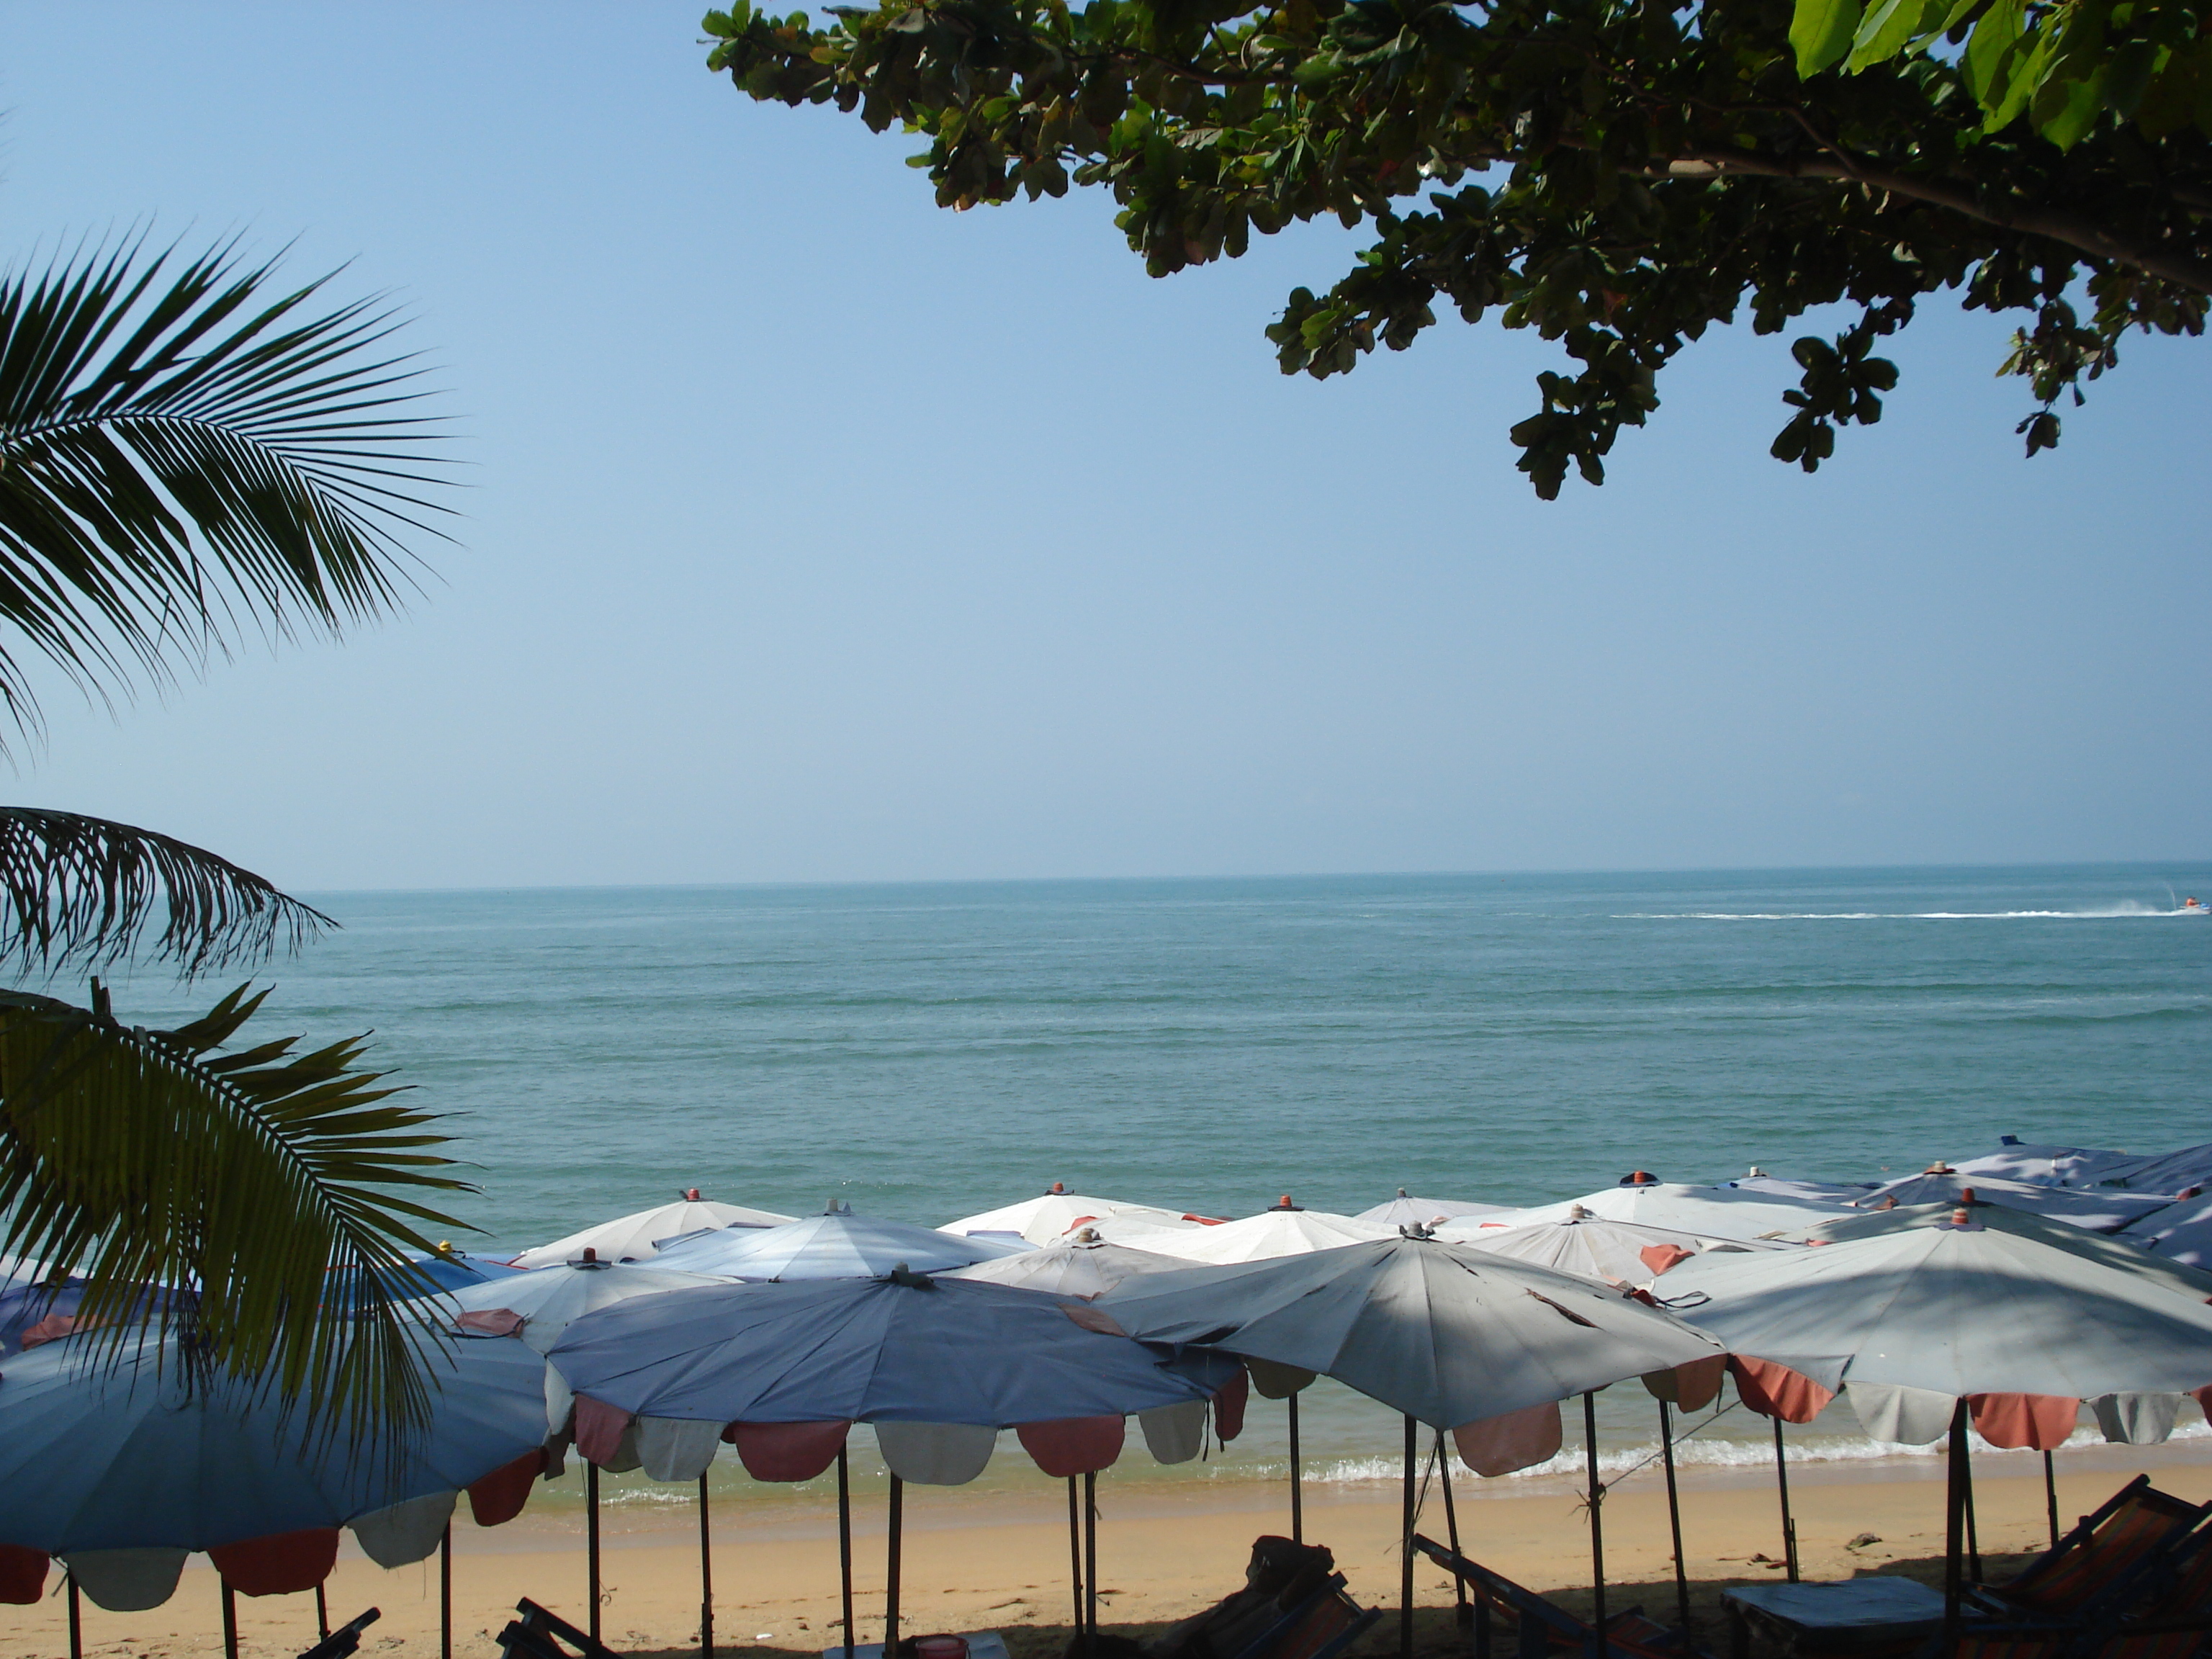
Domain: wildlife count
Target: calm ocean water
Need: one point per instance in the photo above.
(928, 1051)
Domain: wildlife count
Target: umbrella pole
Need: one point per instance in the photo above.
(1406, 1553)
(1674, 1513)
(229, 1621)
(845, 1544)
(706, 1581)
(2050, 1498)
(1973, 1529)
(891, 1573)
(1597, 1519)
(76, 1622)
(592, 1544)
(1782, 1486)
(1451, 1522)
(1089, 1561)
(445, 1594)
(1075, 1553)
(1297, 1497)
(1954, 1516)
(322, 1615)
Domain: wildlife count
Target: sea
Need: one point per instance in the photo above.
(927, 1051)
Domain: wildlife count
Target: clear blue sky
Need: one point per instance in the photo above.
(816, 533)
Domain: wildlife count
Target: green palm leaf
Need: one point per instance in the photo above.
(84, 888)
(141, 1158)
(178, 458)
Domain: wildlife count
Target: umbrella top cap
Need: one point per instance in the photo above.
(1055, 1190)
(1639, 1178)
(1754, 1173)
(691, 1196)
(1402, 1192)
(1284, 1203)
(1939, 1167)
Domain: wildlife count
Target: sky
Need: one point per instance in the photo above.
(812, 533)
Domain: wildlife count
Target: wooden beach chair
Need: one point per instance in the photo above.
(1320, 1626)
(345, 1640)
(538, 1634)
(1546, 1629)
(2102, 1566)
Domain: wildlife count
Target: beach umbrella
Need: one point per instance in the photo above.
(2102, 1210)
(1084, 1266)
(1817, 1192)
(1059, 1212)
(1404, 1211)
(1610, 1252)
(938, 1366)
(1930, 1327)
(1451, 1336)
(836, 1244)
(636, 1237)
(2180, 1233)
(2047, 1166)
(427, 1273)
(1284, 1229)
(2168, 1172)
(113, 1465)
(2124, 1251)
(1705, 1212)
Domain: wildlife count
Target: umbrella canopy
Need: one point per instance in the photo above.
(1042, 1220)
(1591, 1247)
(2111, 1250)
(2170, 1172)
(1084, 1266)
(637, 1237)
(546, 1299)
(2181, 1232)
(914, 1349)
(433, 1274)
(105, 1451)
(836, 1244)
(1404, 1211)
(2102, 1210)
(1707, 1212)
(1259, 1237)
(2046, 1165)
(1951, 1311)
(1816, 1192)
(1438, 1331)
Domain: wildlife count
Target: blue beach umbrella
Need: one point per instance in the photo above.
(110, 1463)
(836, 1244)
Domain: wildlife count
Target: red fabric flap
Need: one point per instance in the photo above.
(491, 1321)
(22, 1574)
(1660, 1257)
(282, 1564)
(786, 1451)
(598, 1429)
(1773, 1390)
(1229, 1404)
(2041, 1421)
(1518, 1440)
(1073, 1445)
(52, 1328)
(1092, 1319)
(1691, 1387)
(499, 1497)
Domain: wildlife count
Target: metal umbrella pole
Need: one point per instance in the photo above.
(229, 1621)
(1597, 1519)
(1954, 1517)
(1782, 1485)
(592, 1544)
(1674, 1512)
(445, 1593)
(2050, 1498)
(892, 1574)
(76, 1622)
(706, 1581)
(1075, 1551)
(1451, 1522)
(1406, 1550)
(1297, 1494)
(1089, 1561)
(322, 1615)
(845, 1544)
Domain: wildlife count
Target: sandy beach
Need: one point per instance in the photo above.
(1000, 1561)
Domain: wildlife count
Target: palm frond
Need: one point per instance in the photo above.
(141, 1158)
(178, 461)
(84, 890)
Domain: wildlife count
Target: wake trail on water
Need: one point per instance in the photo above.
(2123, 912)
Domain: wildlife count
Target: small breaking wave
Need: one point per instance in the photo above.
(2127, 911)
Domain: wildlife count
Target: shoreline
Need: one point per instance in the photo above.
(998, 1559)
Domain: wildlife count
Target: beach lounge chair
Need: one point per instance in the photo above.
(1294, 1605)
(1320, 1626)
(2101, 1567)
(345, 1639)
(541, 1635)
(1545, 1629)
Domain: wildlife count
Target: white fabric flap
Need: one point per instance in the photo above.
(560, 1400)
(2136, 1420)
(1904, 1417)
(126, 1580)
(935, 1454)
(675, 1448)
(1175, 1434)
(406, 1532)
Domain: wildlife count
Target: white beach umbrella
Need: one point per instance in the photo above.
(1141, 1228)
(1084, 1266)
(1610, 1252)
(1261, 1238)
(1817, 1192)
(836, 1244)
(635, 1238)
(545, 1299)
(2168, 1172)
(2123, 1251)
(1041, 1220)
(2181, 1233)
(1405, 1211)
(2044, 1164)
(2101, 1209)
(1707, 1212)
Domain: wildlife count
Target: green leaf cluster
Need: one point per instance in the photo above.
(1618, 176)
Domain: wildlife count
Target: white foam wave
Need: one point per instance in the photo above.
(2125, 912)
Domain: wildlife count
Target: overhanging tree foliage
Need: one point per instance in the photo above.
(1646, 170)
